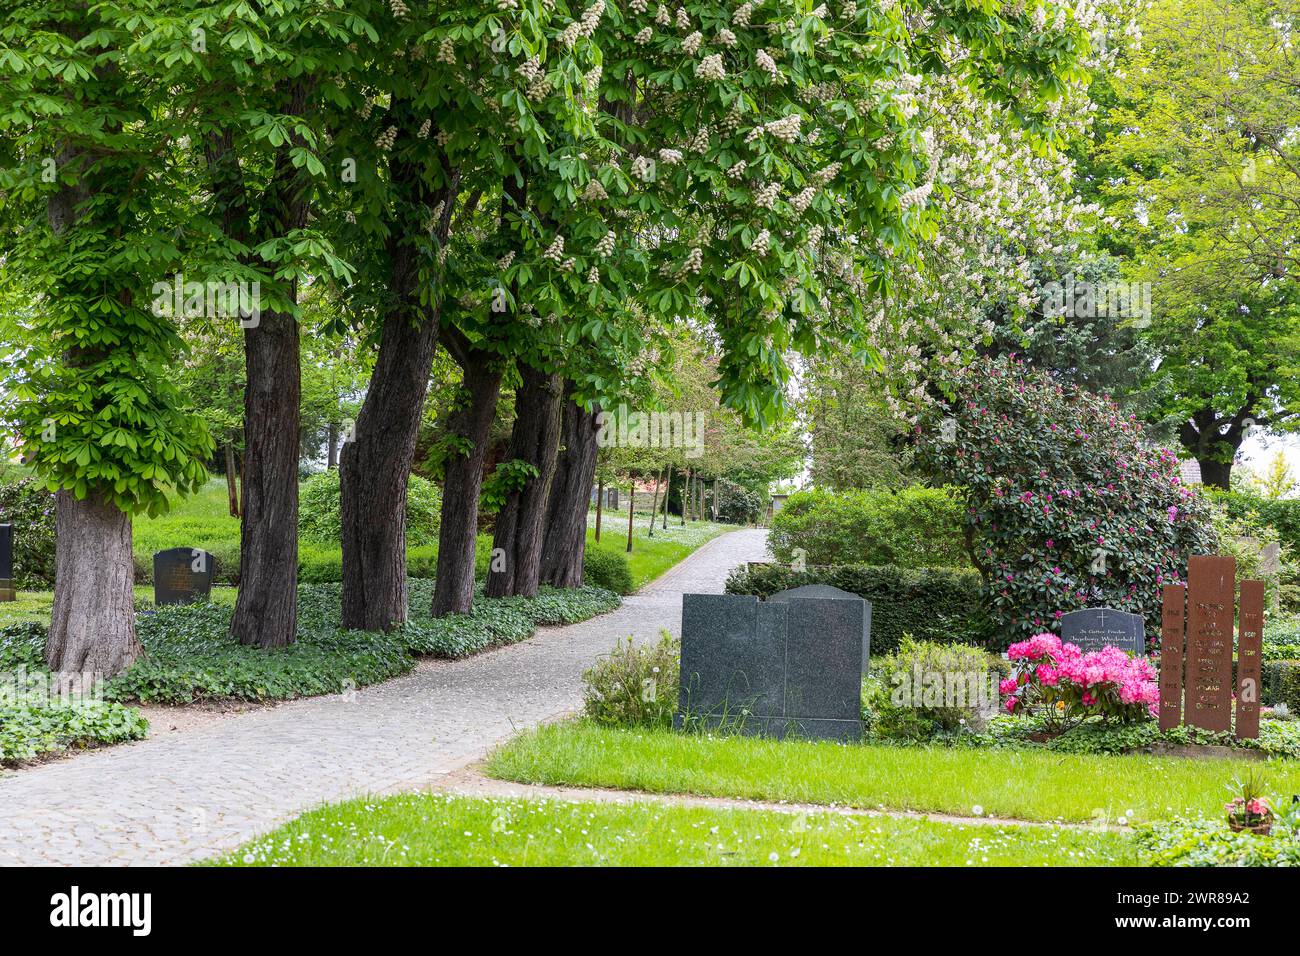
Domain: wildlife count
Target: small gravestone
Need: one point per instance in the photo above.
(1093, 628)
(182, 575)
(7, 592)
(791, 665)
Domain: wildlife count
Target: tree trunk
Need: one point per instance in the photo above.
(714, 515)
(376, 462)
(686, 497)
(463, 477)
(1216, 474)
(521, 521)
(266, 611)
(668, 488)
(654, 503)
(232, 481)
(565, 544)
(374, 471)
(332, 446)
(92, 625)
(600, 502)
(631, 508)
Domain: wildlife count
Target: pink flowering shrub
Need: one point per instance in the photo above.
(1068, 686)
(1066, 505)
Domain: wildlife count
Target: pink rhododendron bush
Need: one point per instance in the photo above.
(1068, 686)
(1066, 504)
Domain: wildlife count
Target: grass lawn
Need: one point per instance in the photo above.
(439, 830)
(1013, 784)
(651, 556)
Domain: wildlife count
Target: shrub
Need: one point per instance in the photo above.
(938, 604)
(1068, 686)
(738, 505)
(926, 688)
(319, 503)
(29, 507)
(1067, 505)
(914, 527)
(32, 724)
(1211, 843)
(635, 686)
(607, 569)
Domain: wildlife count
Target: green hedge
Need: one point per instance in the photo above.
(914, 527)
(937, 604)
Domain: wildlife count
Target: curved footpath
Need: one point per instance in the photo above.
(173, 799)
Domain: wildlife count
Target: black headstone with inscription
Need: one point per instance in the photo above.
(7, 592)
(1095, 627)
(791, 665)
(182, 575)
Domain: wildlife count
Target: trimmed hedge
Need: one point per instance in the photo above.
(607, 569)
(29, 507)
(941, 605)
(913, 527)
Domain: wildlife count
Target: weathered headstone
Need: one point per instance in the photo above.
(7, 592)
(1093, 628)
(182, 575)
(1250, 641)
(788, 665)
(1171, 655)
(1211, 597)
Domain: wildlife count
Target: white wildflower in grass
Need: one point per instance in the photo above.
(977, 810)
(683, 19)
(738, 170)
(662, 16)
(766, 63)
(773, 857)
(726, 37)
(555, 251)
(741, 17)
(711, 68)
(606, 245)
(761, 242)
(594, 192)
(424, 129)
(670, 157)
(643, 36)
(691, 45)
(803, 199)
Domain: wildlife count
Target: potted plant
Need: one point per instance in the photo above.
(1248, 809)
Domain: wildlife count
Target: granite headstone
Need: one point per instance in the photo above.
(182, 575)
(1092, 628)
(791, 665)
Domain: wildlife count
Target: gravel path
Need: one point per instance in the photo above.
(172, 799)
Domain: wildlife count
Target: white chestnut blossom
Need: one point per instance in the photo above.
(765, 196)
(766, 63)
(741, 17)
(761, 242)
(555, 251)
(663, 17)
(691, 45)
(711, 68)
(605, 246)
(726, 37)
(643, 36)
(670, 157)
(595, 192)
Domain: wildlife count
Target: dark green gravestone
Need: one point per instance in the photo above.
(7, 592)
(182, 575)
(789, 666)
(1093, 628)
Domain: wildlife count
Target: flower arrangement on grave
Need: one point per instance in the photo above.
(1249, 809)
(1067, 686)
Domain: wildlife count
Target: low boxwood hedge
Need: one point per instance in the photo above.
(931, 604)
